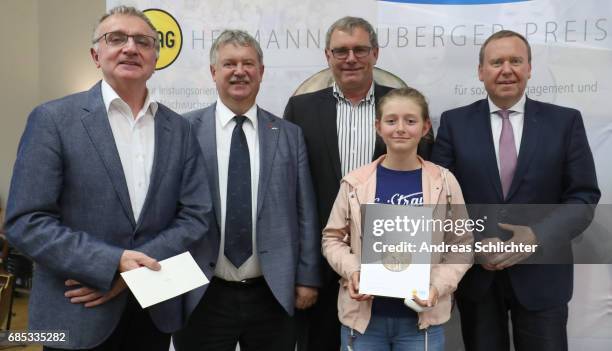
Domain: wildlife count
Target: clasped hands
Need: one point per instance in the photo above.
(353, 287)
(495, 261)
(91, 297)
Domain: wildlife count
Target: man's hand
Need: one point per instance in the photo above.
(92, 297)
(433, 298)
(485, 258)
(133, 259)
(305, 297)
(501, 260)
(353, 287)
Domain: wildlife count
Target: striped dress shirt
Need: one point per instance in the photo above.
(355, 126)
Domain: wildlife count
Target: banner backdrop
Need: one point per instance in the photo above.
(433, 46)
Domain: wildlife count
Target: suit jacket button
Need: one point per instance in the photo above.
(212, 264)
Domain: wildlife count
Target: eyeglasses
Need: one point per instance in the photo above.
(118, 39)
(358, 51)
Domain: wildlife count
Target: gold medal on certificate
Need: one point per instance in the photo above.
(396, 261)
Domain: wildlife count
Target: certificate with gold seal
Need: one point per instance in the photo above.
(392, 262)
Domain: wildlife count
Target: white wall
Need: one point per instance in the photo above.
(46, 56)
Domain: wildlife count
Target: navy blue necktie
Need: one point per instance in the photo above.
(238, 220)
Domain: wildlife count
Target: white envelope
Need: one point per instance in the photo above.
(178, 275)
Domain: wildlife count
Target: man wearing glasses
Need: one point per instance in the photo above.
(338, 125)
(107, 181)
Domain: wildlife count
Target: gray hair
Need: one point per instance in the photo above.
(235, 37)
(125, 11)
(499, 35)
(348, 24)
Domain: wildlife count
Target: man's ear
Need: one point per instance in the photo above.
(375, 53)
(213, 70)
(94, 56)
(328, 55)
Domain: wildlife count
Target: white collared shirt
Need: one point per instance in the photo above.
(135, 141)
(355, 127)
(224, 127)
(517, 119)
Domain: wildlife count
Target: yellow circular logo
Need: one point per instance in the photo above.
(169, 34)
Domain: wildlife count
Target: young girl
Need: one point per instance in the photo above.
(380, 323)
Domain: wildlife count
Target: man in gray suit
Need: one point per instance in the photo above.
(106, 181)
(268, 254)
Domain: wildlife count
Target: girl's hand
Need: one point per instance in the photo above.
(353, 287)
(433, 298)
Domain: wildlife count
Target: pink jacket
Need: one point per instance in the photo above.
(342, 241)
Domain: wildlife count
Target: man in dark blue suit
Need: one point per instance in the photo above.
(509, 149)
(106, 181)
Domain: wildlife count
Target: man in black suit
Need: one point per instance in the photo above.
(508, 150)
(338, 125)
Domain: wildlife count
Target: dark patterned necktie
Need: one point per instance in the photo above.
(238, 221)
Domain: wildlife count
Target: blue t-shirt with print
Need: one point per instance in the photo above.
(396, 188)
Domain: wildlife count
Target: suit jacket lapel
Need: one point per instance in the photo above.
(529, 143)
(98, 128)
(329, 129)
(269, 130)
(163, 134)
(207, 135)
(482, 141)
